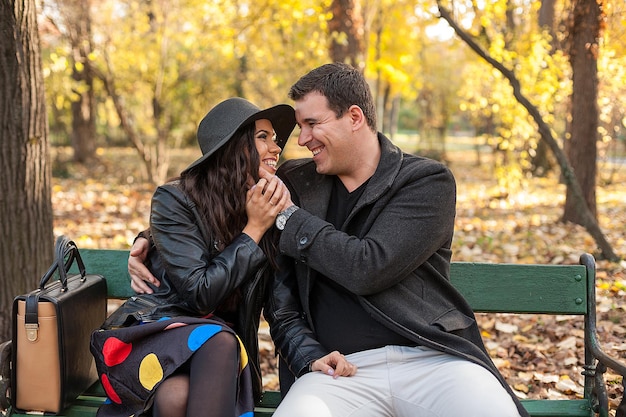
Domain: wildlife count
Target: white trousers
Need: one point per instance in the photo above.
(399, 381)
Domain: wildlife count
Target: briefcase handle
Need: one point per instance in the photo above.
(64, 248)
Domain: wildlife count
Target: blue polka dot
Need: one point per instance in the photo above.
(201, 334)
(248, 414)
(164, 318)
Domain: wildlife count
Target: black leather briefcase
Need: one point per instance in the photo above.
(52, 326)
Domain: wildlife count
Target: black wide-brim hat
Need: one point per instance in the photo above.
(222, 121)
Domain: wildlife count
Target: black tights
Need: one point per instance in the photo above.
(206, 386)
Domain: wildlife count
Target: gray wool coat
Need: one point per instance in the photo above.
(393, 252)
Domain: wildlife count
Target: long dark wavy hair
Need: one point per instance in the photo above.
(218, 186)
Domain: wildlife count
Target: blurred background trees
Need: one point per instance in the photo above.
(141, 73)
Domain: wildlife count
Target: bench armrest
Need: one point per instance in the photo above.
(593, 341)
(596, 359)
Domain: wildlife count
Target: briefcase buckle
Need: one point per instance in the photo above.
(32, 329)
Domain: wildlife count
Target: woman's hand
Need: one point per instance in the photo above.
(139, 273)
(264, 201)
(269, 177)
(335, 365)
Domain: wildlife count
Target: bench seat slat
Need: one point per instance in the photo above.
(86, 406)
(536, 408)
(557, 408)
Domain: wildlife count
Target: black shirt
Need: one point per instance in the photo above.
(340, 321)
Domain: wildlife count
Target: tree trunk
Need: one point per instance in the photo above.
(83, 129)
(78, 21)
(546, 19)
(27, 239)
(541, 162)
(584, 34)
(346, 29)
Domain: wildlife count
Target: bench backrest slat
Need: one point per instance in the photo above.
(555, 289)
(113, 265)
(521, 288)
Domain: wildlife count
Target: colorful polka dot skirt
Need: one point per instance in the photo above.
(132, 361)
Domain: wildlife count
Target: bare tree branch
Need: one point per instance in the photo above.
(590, 222)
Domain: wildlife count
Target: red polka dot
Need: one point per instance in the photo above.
(106, 384)
(115, 351)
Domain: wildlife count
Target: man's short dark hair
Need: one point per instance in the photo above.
(342, 85)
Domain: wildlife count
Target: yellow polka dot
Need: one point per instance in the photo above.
(150, 371)
(244, 354)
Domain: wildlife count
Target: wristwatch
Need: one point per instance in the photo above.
(283, 216)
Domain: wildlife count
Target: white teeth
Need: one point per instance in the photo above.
(316, 151)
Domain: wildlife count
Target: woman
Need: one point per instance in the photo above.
(195, 352)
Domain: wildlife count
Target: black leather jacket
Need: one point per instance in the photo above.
(196, 278)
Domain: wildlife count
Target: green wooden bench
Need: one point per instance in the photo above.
(489, 288)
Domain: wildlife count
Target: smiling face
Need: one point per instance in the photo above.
(344, 146)
(326, 136)
(266, 146)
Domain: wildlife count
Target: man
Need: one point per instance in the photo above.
(365, 273)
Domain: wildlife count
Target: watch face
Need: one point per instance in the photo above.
(283, 216)
(281, 221)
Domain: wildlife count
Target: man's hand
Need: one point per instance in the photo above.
(335, 365)
(139, 274)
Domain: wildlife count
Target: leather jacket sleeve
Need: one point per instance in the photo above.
(396, 229)
(202, 277)
(293, 338)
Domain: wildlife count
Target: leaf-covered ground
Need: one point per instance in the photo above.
(106, 204)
